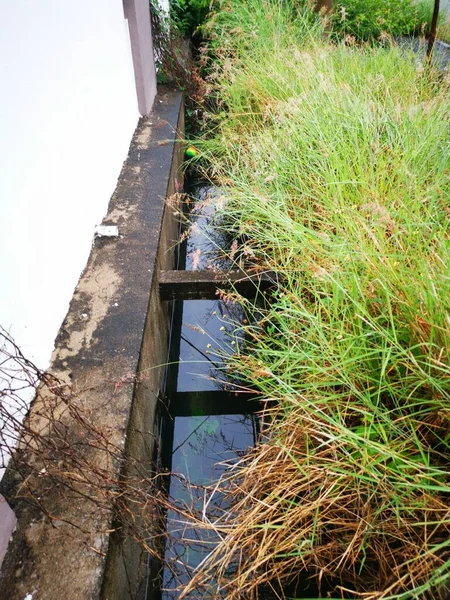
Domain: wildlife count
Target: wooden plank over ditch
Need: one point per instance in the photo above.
(213, 402)
(205, 285)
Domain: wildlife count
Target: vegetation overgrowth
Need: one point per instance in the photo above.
(370, 19)
(335, 163)
(176, 64)
(189, 15)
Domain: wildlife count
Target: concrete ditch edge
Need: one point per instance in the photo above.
(109, 357)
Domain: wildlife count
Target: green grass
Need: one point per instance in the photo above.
(373, 19)
(443, 30)
(335, 163)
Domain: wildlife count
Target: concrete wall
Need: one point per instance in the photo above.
(68, 111)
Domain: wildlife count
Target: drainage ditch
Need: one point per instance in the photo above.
(204, 422)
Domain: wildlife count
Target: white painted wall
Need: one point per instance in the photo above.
(164, 4)
(67, 113)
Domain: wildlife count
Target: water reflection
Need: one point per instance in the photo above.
(201, 447)
(206, 428)
(208, 334)
(207, 327)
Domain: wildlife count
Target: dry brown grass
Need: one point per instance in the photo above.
(301, 514)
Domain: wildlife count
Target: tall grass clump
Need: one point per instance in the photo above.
(335, 164)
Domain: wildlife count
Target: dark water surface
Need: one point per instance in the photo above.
(206, 426)
(200, 447)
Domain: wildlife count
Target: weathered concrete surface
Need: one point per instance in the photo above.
(110, 351)
(7, 525)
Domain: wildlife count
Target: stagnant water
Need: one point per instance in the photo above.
(206, 422)
(206, 425)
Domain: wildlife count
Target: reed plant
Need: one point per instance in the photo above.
(335, 162)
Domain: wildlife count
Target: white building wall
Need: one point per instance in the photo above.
(164, 4)
(67, 113)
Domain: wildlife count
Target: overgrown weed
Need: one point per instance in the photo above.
(370, 19)
(335, 163)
